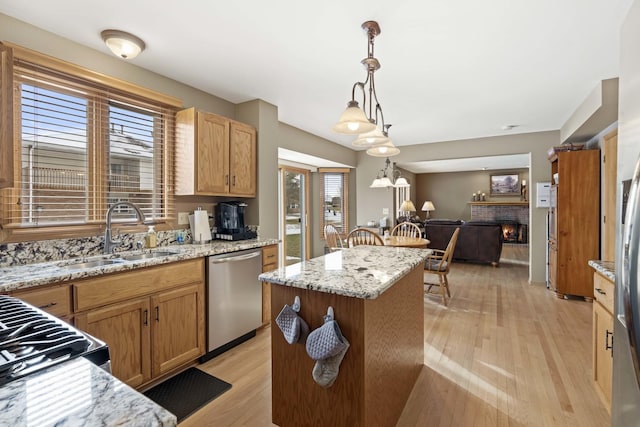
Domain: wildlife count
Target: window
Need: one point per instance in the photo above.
(334, 198)
(85, 141)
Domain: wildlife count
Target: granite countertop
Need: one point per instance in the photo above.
(362, 272)
(77, 393)
(32, 275)
(606, 268)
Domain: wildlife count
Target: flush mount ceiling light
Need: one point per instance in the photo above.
(368, 121)
(123, 44)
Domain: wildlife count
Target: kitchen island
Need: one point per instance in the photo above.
(77, 393)
(378, 300)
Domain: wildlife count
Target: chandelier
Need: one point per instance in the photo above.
(387, 179)
(367, 122)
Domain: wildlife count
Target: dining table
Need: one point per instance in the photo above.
(405, 242)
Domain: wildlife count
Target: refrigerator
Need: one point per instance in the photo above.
(625, 405)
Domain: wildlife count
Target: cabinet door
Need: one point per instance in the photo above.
(242, 160)
(125, 328)
(602, 352)
(178, 327)
(212, 154)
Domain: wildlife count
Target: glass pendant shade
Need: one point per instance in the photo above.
(386, 182)
(384, 150)
(377, 183)
(401, 182)
(370, 139)
(353, 121)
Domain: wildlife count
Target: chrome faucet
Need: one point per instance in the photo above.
(109, 243)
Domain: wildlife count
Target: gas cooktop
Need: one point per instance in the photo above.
(31, 339)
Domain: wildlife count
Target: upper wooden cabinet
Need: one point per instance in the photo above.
(215, 156)
(574, 222)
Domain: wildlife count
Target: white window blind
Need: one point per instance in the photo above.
(85, 146)
(334, 184)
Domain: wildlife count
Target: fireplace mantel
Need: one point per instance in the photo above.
(505, 203)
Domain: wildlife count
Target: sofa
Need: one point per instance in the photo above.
(478, 241)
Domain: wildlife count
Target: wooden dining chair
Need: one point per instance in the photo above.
(439, 263)
(362, 236)
(406, 229)
(332, 237)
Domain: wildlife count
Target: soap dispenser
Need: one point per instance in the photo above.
(150, 238)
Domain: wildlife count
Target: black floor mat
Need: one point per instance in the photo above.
(187, 392)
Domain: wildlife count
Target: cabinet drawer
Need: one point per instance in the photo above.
(603, 291)
(56, 300)
(269, 267)
(116, 287)
(269, 256)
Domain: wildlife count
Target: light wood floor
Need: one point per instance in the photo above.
(503, 353)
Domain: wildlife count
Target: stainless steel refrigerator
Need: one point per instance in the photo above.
(625, 403)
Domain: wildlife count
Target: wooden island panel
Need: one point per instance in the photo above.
(379, 370)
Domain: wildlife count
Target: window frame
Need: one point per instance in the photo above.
(119, 91)
(345, 198)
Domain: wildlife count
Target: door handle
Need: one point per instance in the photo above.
(600, 291)
(157, 314)
(606, 341)
(226, 180)
(146, 318)
(235, 258)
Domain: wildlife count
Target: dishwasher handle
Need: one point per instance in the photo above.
(214, 260)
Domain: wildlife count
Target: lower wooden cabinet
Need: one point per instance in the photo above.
(152, 335)
(177, 328)
(603, 337)
(54, 299)
(269, 263)
(125, 328)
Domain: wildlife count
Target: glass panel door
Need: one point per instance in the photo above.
(293, 214)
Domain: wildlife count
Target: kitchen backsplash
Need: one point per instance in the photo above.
(22, 253)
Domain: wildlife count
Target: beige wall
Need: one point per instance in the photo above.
(263, 209)
(451, 192)
(371, 201)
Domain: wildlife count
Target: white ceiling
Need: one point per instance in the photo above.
(450, 70)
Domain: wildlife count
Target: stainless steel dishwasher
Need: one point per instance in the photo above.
(234, 299)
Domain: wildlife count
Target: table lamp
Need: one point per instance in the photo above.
(407, 207)
(428, 207)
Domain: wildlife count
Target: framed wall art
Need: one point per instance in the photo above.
(504, 184)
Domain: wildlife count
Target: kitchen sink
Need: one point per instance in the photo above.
(147, 255)
(90, 264)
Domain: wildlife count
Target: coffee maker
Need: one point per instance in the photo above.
(230, 222)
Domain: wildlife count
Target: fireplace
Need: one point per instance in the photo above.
(514, 232)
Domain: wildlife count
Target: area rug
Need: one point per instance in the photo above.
(187, 392)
